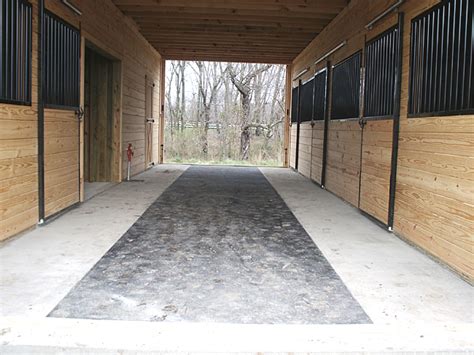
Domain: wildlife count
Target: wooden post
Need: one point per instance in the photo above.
(286, 125)
(161, 127)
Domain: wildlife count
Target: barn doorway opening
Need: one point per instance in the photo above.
(224, 113)
(102, 102)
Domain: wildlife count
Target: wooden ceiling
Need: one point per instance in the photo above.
(264, 31)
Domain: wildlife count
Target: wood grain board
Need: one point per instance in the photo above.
(104, 26)
(237, 30)
(434, 200)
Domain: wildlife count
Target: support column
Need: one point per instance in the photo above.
(286, 124)
(161, 127)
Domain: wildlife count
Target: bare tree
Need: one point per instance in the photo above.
(210, 80)
(223, 111)
(243, 82)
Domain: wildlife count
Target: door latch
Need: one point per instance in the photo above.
(80, 113)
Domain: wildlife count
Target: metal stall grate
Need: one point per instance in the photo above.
(346, 88)
(380, 65)
(306, 101)
(62, 63)
(15, 52)
(442, 50)
(320, 89)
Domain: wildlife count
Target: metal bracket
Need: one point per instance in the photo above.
(362, 122)
(80, 113)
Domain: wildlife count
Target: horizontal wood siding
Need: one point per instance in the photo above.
(305, 147)
(61, 160)
(434, 201)
(376, 168)
(343, 160)
(434, 206)
(317, 151)
(104, 26)
(18, 159)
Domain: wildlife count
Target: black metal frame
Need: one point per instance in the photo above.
(385, 63)
(68, 62)
(41, 213)
(298, 123)
(396, 122)
(438, 86)
(358, 80)
(326, 124)
(24, 77)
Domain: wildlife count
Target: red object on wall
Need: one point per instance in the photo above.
(129, 152)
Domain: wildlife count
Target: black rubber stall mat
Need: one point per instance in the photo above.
(219, 245)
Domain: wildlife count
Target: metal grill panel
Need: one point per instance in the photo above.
(441, 60)
(346, 88)
(320, 92)
(62, 63)
(15, 51)
(306, 101)
(380, 63)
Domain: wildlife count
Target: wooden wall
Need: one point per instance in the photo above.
(103, 25)
(18, 159)
(434, 200)
(434, 205)
(305, 148)
(61, 160)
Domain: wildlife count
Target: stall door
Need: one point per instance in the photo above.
(61, 88)
(381, 62)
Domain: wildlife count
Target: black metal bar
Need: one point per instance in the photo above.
(298, 122)
(41, 62)
(326, 124)
(396, 122)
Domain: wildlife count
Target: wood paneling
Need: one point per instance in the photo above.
(104, 26)
(61, 160)
(18, 161)
(101, 122)
(434, 200)
(376, 168)
(343, 160)
(305, 148)
(236, 30)
(434, 205)
(317, 151)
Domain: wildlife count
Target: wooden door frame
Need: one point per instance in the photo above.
(91, 43)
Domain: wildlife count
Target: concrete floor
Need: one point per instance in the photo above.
(219, 245)
(92, 189)
(415, 304)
